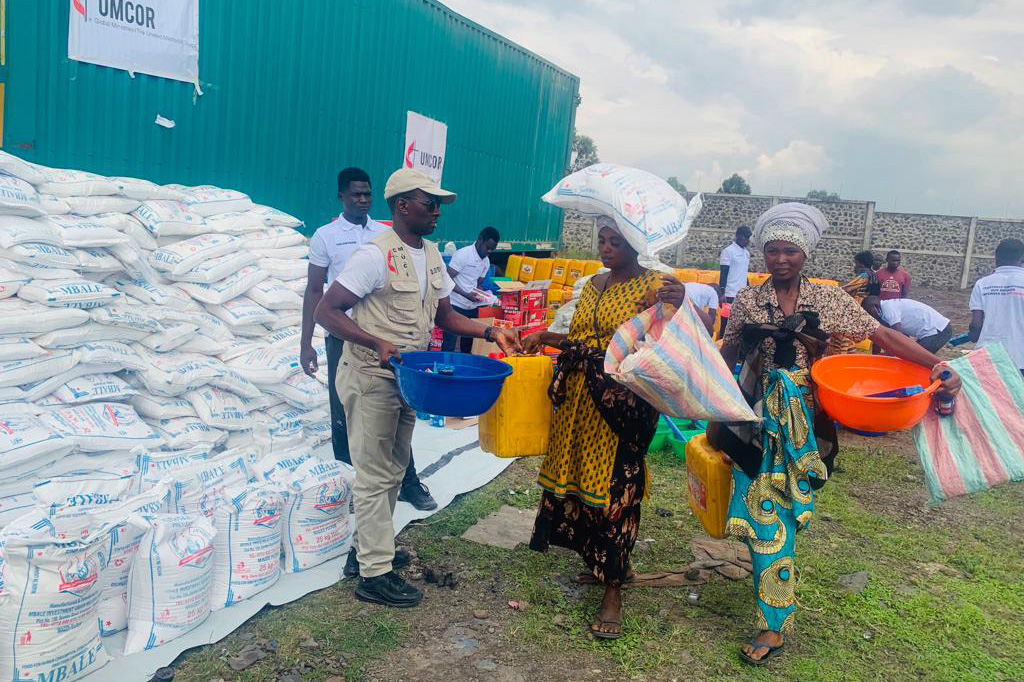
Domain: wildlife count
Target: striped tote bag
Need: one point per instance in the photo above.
(670, 361)
(982, 443)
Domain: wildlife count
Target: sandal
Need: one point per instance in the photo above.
(772, 652)
(598, 621)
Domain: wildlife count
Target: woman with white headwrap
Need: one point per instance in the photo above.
(594, 474)
(779, 329)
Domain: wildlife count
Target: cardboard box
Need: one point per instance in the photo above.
(523, 299)
(514, 316)
(535, 317)
(488, 311)
(526, 331)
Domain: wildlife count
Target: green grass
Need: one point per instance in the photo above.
(913, 622)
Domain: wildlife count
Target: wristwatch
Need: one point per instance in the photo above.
(489, 334)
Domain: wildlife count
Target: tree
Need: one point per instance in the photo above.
(676, 185)
(734, 185)
(822, 195)
(584, 152)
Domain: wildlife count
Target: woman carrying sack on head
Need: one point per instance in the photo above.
(779, 329)
(594, 475)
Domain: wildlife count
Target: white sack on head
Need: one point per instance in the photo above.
(650, 214)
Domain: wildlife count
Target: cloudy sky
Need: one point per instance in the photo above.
(915, 104)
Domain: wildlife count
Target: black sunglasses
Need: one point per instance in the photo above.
(432, 204)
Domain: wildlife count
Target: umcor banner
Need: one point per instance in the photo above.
(425, 141)
(158, 37)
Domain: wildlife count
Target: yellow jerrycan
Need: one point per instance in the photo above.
(512, 267)
(710, 484)
(542, 269)
(526, 267)
(517, 425)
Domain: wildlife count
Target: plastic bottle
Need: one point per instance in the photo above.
(944, 403)
(437, 420)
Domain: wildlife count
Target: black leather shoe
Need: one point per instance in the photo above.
(417, 495)
(389, 589)
(402, 559)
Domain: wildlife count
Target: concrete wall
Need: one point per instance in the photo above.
(948, 252)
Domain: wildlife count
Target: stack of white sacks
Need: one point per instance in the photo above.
(156, 430)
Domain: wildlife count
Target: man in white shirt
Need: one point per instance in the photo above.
(921, 322)
(997, 303)
(734, 264)
(704, 297)
(396, 289)
(329, 250)
(468, 268)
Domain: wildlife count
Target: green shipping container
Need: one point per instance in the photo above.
(293, 92)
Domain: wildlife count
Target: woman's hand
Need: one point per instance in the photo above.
(950, 385)
(671, 291)
(533, 343)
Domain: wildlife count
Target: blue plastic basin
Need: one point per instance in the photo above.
(470, 391)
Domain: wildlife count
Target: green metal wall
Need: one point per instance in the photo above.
(296, 90)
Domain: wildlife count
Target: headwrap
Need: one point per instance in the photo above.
(603, 221)
(792, 222)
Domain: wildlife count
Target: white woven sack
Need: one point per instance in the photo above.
(103, 426)
(164, 218)
(220, 409)
(316, 523)
(96, 260)
(19, 348)
(226, 289)
(90, 206)
(285, 269)
(17, 197)
(182, 433)
(207, 200)
(274, 295)
(149, 292)
(78, 231)
(128, 317)
(21, 318)
(288, 253)
(173, 335)
(144, 190)
(90, 332)
(142, 237)
(21, 230)
(29, 370)
(64, 182)
(76, 293)
(27, 444)
(240, 311)
(273, 238)
(248, 522)
(272, 216)
(236, 222)
(92, 387)
(216, 269)
(300, 390)
(179, 258)
(173, 374)
(48, 624)
(52, 205)
(20, 168)
(11, 282)
(170, 581)
(41, 255)
(158, 407)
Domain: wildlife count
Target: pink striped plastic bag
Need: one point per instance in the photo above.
(671, 362)
(981, 444)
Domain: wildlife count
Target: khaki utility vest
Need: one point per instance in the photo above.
(398, 312)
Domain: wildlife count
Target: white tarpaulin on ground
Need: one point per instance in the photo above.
(157, 37)
(449, 461)
(425, 141)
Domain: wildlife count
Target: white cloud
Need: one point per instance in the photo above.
(918, 100)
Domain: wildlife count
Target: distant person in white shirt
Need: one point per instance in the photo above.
(997, 303)
(735, 263)
(329, 251)
(704, 297)
(468, 268)
(921, 322)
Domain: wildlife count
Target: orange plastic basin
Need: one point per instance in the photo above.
(843, 381)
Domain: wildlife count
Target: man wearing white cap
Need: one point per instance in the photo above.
(397, 289)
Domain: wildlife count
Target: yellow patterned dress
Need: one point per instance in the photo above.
(594, 476)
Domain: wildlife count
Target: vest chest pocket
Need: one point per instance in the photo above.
(405, 303)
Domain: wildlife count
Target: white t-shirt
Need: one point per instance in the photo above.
(1001, 297)
(367, 271)
(469, 267)
(333, 244)
(703, 296)
(738, 260)
(915, 318)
